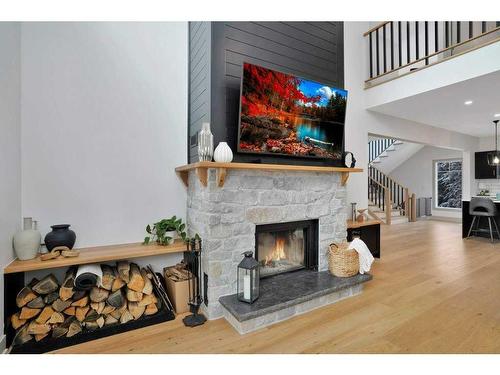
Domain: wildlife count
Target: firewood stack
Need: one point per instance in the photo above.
(47, 308)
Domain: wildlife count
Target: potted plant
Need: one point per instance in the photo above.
(165, 231)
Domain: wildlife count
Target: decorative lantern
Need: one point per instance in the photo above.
(248, 278)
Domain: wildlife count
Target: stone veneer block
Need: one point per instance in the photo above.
(254, 324)
(225, 217)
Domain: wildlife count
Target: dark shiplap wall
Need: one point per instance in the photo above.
(313, 50)
(199, 82)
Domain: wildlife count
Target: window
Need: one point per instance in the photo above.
(448, 184)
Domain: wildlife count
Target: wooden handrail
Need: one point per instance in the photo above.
(380, 25)
(432, 54)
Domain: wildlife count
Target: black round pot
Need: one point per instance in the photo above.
(61, 235)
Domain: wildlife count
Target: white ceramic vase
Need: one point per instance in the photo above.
(27, 242)
(223, 153)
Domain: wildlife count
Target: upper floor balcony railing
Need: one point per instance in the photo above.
(398, 48)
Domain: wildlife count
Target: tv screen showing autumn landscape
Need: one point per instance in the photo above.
(287, 115)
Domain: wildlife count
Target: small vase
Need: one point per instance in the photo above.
(27, 242)
(61, 235)
(205, 143)
(223, 153)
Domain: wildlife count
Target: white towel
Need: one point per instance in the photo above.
(365, 256)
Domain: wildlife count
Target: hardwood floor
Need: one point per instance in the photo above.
(432, 292)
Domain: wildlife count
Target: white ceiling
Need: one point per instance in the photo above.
(445, 108)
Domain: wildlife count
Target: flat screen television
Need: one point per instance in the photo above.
(281, 114)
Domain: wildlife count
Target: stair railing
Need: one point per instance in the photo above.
(377, 147)
(398, 48)
(387, 194)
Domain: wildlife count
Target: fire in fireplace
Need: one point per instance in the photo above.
(286, 247)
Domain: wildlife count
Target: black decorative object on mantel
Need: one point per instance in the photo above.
(195, 300)
(60, 235)
(349, 159)
(248, 278)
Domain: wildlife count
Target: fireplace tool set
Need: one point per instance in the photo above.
(193, 258)
(159, 289)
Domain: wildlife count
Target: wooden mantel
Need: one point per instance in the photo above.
(203, 166)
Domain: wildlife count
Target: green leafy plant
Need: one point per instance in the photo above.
(158, 231)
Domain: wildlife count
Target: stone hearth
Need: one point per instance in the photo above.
(225, 217)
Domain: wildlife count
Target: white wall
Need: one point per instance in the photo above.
(10, 147)
(417, 173)
(104, 114)
(360, 122)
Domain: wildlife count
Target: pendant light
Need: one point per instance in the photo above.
(494, 157)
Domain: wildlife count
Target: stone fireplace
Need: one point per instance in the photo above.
(233, 218)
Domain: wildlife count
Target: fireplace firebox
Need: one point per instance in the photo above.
(286, 247)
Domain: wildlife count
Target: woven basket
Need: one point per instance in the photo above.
(343, 262)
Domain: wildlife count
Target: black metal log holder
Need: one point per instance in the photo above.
(193, 258)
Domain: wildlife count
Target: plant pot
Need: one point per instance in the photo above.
(223, 153)
(60, 235)
(173, 234)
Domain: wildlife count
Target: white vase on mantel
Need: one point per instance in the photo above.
(223, 153)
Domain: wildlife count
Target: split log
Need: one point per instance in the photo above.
(118, 282)
(81, 302)
(81, 313)
(38, 329)
(108, 277)
(27, 313)
(126, 317)
(37, 303)
(49, 299)
(136, 310)
(79, 294)
(107, 310)
(100, 321)
(45, 315)
(47, 285)
(22, 336)
(133, 296)
(91, 325)
(91, 316)
(59, 305)
(115, 299)
(98, 294)
(136, 282)
(25, 296)
(66, 291)
(110, 319)
(124, 270)
(56, 318)
(41, 336)
(151, 309)
(16, 322)
(147, 300)
(59, 331)
(74, 328)
(116, 314)
(98, 306)
(148, 285)
(71, 311)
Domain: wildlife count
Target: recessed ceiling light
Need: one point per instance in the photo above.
(497, 115)
(468, 102)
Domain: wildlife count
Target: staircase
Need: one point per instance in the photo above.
(388, 200)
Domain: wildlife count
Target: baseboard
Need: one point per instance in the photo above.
(2, 344)
(444, 218)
